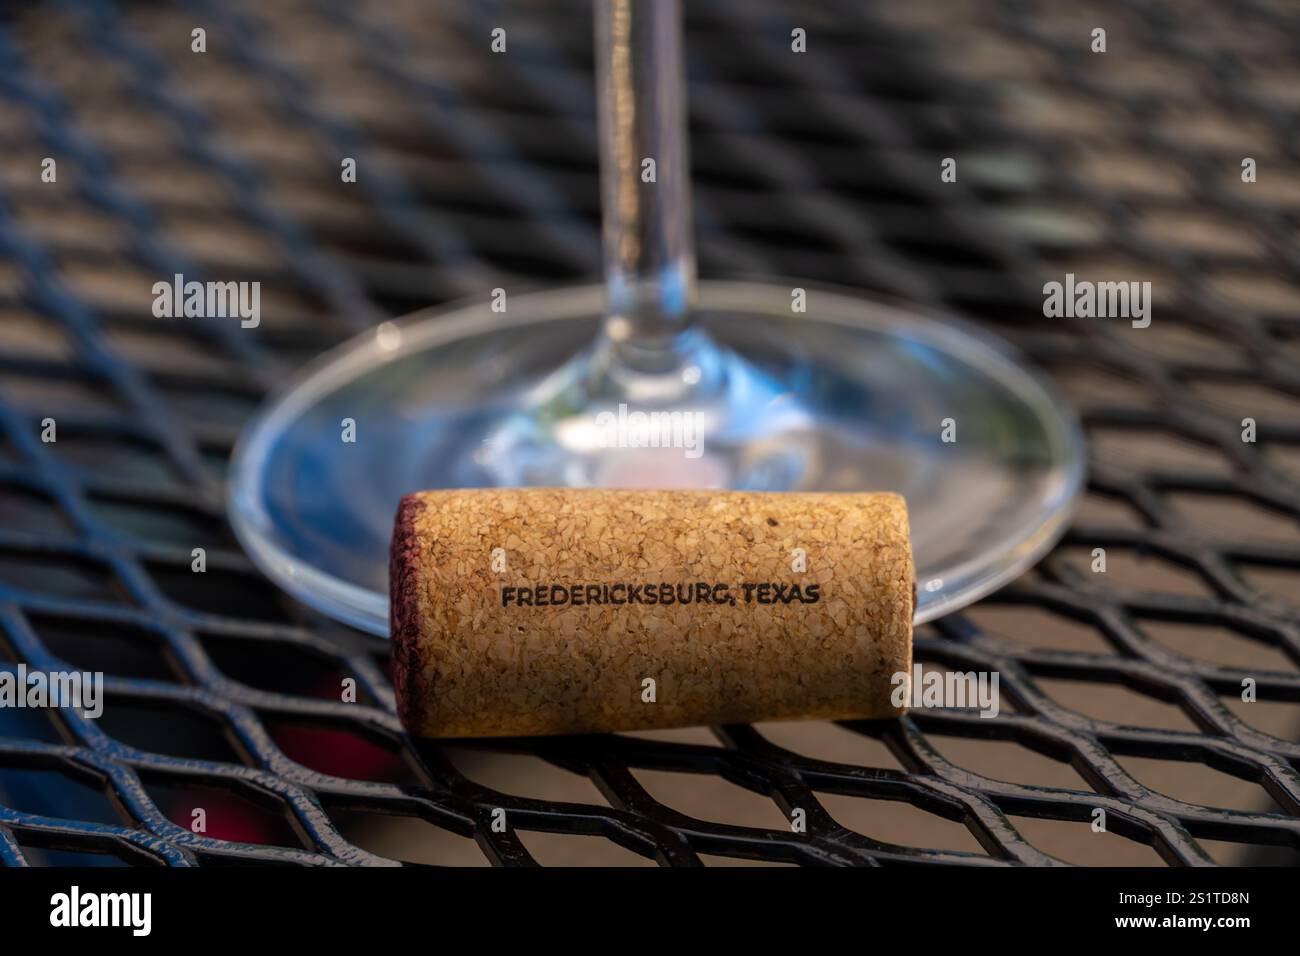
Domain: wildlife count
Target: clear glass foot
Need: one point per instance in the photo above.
(852, 395)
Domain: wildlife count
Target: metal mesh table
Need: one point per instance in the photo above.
(1122, 690)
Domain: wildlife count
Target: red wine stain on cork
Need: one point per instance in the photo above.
(406, 591)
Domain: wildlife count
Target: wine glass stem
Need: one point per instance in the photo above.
(645, 182)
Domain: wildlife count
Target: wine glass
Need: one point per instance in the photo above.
(657, 380)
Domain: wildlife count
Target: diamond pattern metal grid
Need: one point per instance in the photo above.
(1121, 690)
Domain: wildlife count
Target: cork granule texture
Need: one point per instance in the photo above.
(464, 665)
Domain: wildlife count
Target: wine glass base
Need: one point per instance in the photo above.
(851, 395)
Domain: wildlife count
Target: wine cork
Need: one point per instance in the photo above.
(549, 611)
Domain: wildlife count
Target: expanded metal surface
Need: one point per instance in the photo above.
(1122, 689)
